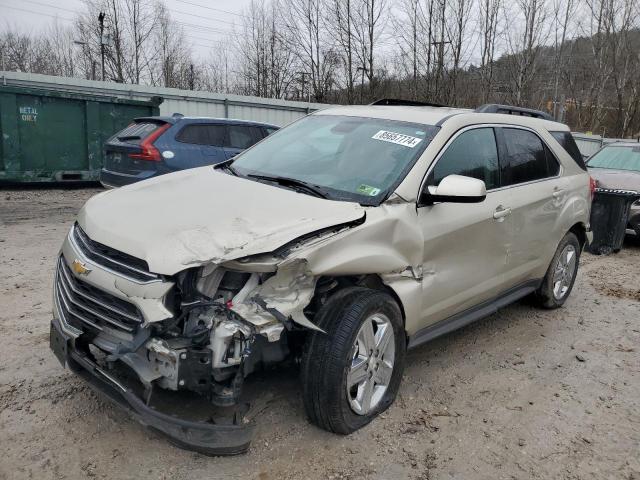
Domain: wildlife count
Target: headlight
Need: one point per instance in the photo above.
(221, 283)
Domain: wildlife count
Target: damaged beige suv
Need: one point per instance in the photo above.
(337, 243)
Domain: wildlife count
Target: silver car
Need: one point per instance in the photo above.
(338, 242)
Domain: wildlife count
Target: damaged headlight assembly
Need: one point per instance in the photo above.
(240, 312)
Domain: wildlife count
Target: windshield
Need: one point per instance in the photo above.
(617, 158)
(346, 158)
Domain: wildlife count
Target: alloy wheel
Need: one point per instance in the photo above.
(564, 271)
(373, 356)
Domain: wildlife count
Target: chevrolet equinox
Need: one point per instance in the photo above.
(338, 243)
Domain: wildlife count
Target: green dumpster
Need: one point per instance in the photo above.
(56, 136)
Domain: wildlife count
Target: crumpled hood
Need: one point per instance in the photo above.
(201, 215)
(616, 179)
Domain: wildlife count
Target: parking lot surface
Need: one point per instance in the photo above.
(525, 393)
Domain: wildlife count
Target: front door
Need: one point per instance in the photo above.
(465, 245)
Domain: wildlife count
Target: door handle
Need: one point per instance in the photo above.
(500, 213)
(558, 193)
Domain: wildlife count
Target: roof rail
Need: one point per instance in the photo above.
(404, 103)
(511, 110)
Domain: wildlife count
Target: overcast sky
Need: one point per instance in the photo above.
(204, 21)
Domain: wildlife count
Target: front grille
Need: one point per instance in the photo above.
(110, 258)
(83, 305)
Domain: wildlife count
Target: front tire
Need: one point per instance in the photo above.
(561, 275)
(352, 373)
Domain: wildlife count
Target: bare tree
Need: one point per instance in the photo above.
(169, 55)
(410, 41)
(266, 61)
(141, 21)
(308, 33)
(525, 44)
(458, 19)
(489, 25)
(340, 19)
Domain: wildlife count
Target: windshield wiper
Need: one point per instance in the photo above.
(226, 165)
(296, 184)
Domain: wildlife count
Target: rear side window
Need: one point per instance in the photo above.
(569, 144)
(473, 154)
(202, 134)
(243, 136)
(526, 158)
(137, 132)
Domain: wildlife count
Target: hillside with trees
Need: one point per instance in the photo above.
(577, 59)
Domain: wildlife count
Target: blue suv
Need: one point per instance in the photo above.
(153, 146)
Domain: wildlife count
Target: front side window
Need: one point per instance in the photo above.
(242, 136)
(472, 154)
(617, 158)
(351, 158)
(526, 158)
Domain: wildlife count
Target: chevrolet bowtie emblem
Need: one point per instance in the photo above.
(80, 267)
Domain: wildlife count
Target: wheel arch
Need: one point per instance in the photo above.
(579, 229)
(329, 285)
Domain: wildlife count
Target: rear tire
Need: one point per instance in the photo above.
(561, 275)
(333, 360)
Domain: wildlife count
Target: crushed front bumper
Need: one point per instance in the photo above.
(202, 437)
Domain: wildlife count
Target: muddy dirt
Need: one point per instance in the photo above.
(525, 393)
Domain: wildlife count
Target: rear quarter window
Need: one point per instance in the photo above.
(527, 158)
(569, 144)
(136, 132)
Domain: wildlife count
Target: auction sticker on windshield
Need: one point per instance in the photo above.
(397, 138)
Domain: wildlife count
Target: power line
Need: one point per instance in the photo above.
(186, 24)
(50, 6)
(203, 27)
(190, 37)
(211, 8)
(39, 13)
(179, 12)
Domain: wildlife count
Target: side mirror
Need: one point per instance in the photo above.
(454, 189)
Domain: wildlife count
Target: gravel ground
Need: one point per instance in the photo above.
(525, 393)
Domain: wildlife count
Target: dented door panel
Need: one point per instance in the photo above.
(465, 255)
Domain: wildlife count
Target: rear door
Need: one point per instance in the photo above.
(537, 194)
(198, 144)
(241, 137)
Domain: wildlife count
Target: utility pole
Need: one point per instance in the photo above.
(101, 21)
(191, 81)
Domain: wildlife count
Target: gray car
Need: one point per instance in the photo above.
(617, 167)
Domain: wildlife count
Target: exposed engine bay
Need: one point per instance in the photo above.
(207, 347)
